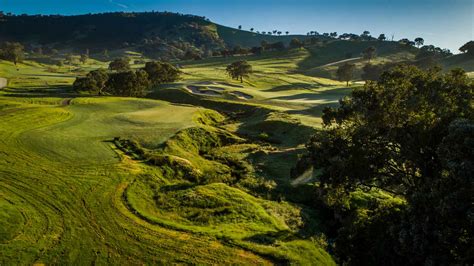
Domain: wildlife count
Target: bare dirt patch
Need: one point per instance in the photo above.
(3, 83)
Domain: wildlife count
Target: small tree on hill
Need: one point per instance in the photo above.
(159, 72)
(287, 32)
(369, 53)
(382, 37)
(419, 41)
(240, 27)
(365, 35)
(84, 58)
(468, 48)
(120, 64)
(345, 72)
(251, 29)
(238, 70)
(295, 43)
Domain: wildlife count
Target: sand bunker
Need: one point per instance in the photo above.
(241, 95)
(202, 91)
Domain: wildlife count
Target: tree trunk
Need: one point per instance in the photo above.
(241, 79)
(347, 83)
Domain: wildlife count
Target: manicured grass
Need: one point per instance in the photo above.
(68, 195)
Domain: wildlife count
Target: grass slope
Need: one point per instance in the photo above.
(69, 196)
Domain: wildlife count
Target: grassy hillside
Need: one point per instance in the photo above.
(197, 172)
(463, 61)
(71, 194)
(149, 32)
(233, 37)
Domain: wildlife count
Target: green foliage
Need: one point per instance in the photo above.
(120, 64)
(12, 51)
(468, 48)
(159, 72)
(404, 135)
(94, 82)
(129, 83)
(372, 72)
(345, 72)
(239, 70)
(369, 53)
(295, 43)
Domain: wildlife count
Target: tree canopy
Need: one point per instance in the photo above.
(120, 64)
(468, 48)
(345, 72)
(128, 83)
(238, 70)
(161, 72)
(12, 51)
(94, 82)
(369, 53)
(412, 136)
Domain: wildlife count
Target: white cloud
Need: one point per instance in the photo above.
(118, 4)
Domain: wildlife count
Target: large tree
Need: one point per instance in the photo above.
(468, 48)
(345, 72)
(238, 70)
(12, 51)
(160, 72)
(370, 53)
(411, 135)
(419, 41)
(93, 82)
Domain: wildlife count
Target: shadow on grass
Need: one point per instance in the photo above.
(43, 92)
(295, 86)
(327, 95)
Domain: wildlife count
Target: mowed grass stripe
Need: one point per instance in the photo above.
(71, 205)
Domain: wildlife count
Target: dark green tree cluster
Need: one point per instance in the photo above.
(238, 70)
(128, 83)
(161, 72)
(410, 135)
(120, 64)
(94, 82)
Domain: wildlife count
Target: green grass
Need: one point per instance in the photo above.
(69, 196)
(67, 183)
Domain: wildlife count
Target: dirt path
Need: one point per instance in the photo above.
(3, 83)
(342, 61)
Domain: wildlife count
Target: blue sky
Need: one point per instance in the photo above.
(445, 23)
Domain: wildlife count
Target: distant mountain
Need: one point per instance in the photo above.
(153, 33)
(168, 36)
